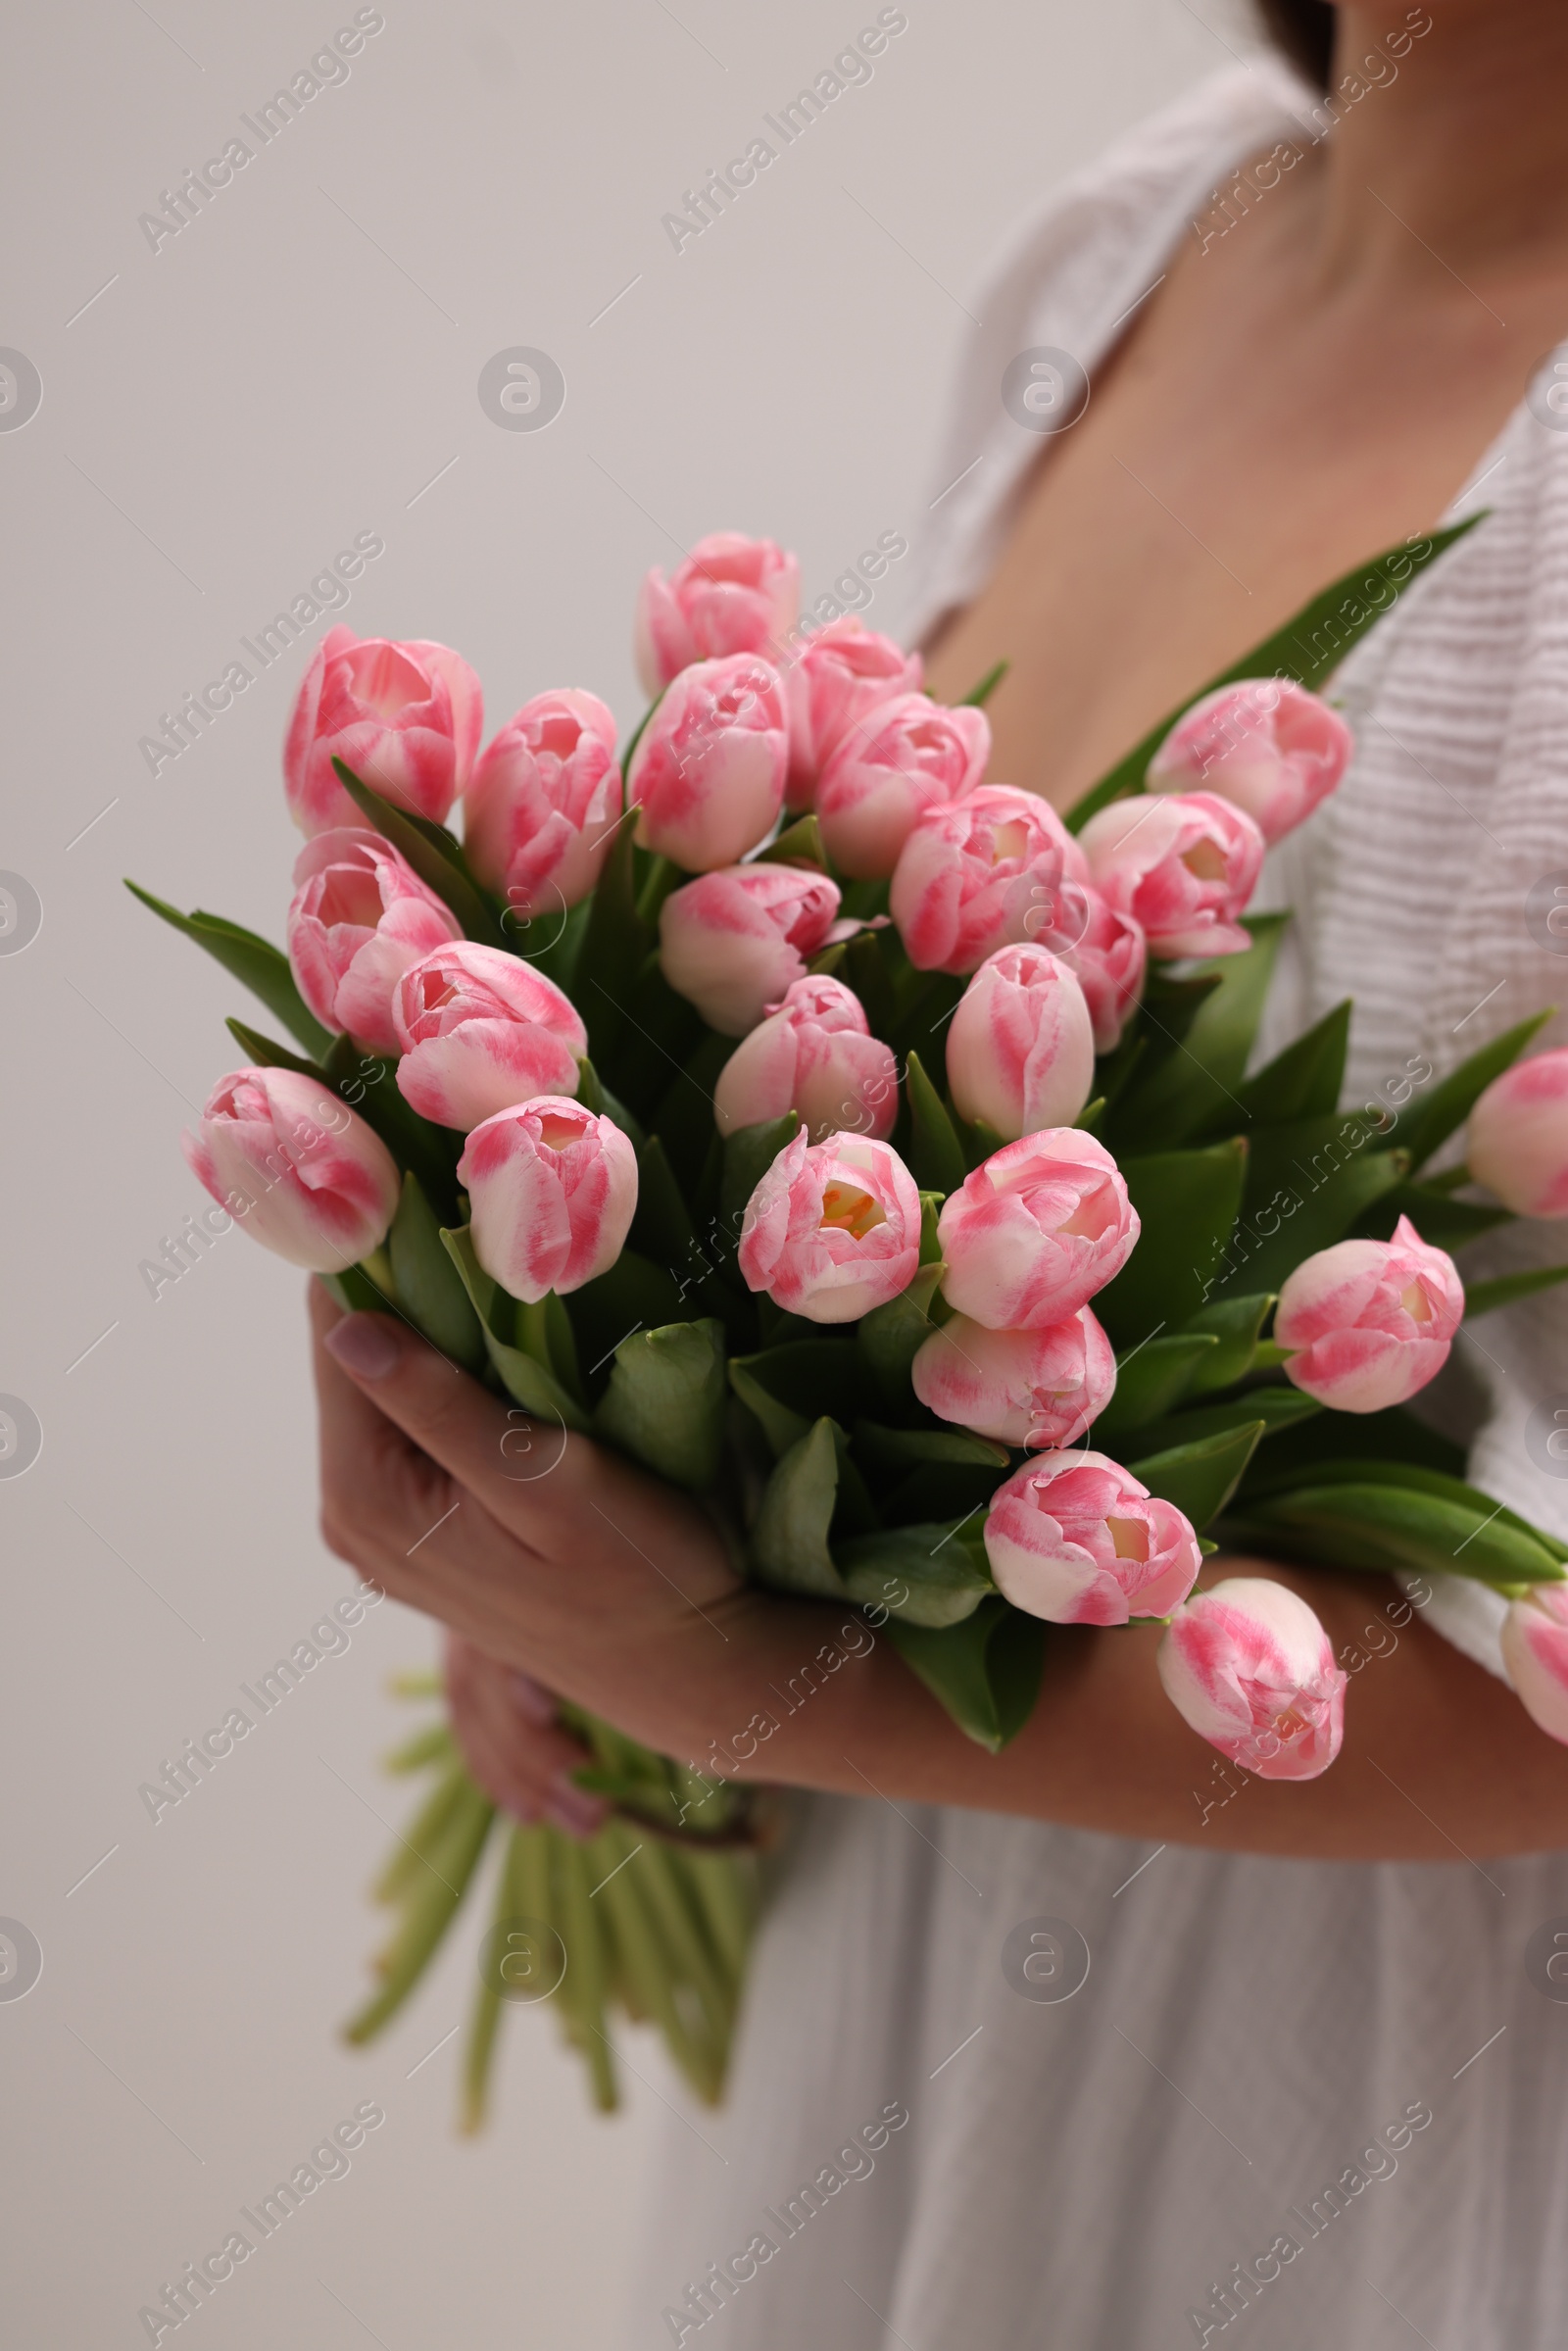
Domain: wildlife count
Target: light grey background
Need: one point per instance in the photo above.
(296, 366)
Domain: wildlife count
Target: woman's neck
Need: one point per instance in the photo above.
(1459, 156)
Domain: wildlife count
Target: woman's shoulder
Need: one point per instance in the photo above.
(1136, 190)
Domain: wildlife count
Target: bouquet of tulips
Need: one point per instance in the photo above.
(858, 1146)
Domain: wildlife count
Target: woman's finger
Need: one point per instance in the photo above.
(519, 1752)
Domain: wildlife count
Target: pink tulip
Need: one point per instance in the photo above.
(359, 917)
(1035, 1231)
(1182, 864)
(1518, 1136)
(1534, 1650)
(302, 1174)
(709, 773)
(1266, 745)
(840, 675)
(1021, 1044)
(979, 873)
(815, 1055)
(1106, 954)
(406, 718)
(481, 1031)
(734, 942)
(1033, 1387)
(833, 1229)
(552, 1192)
(1248, 1665)
(1371, 1321)
(902, 757)
(731, 595)
(1073, 1537)
(540, 810)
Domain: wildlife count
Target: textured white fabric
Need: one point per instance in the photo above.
(1082, 2175)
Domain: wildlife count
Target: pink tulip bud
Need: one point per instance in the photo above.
(833, 1229)
(1518, 1136)
(1033, 1387)
(540, 810)
(841, 674)
(1035, 1231)
(406, 718)
(813, 1055)
(1106, 954)
(552, 1191)
(709, 773)
(731, 595)
(1534, 1650)
(296, 1167)
(359, 917)
(1182, 864)
(481, 1031)
(1021, 1044)
(902, 757)
(1372, 1321)
(1266, 745)
(1073, 1537)
(734, 942)
(983, 872)
(1248, 1666)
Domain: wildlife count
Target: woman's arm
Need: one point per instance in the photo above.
(550, 1556)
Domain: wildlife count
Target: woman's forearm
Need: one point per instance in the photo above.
(1440, 1763)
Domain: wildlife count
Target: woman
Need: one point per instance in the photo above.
(1312, 2086)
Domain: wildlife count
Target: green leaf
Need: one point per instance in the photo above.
(865, 970)
(614, 948)
(789, 1539)
(813, 1376)
(544, 1332)
(1276, 1407)
(1301, 1454)
(890, 1337)
(936, 1156)
(265, 1053)
(921, 1474)
(985, 1671)
(923, 1575)
(1483, 1298)
(355, 1291)
(1191, 1087)
(526, 1382)
(1308, 649)
(664, 1404)
(782, 1427)
(1236, 1322)
(630, 1296)
(798, 844)
(749, 1154)
(1154, 1380)
(254, 962)
(1372, 1522)
(1302, 1082)
(1199, 1477)
(1438, 1218)
(429, 1288)
(978, 696)
(436, 858)
(1186, 1201)
(1306, 1186)
(1451, 1104)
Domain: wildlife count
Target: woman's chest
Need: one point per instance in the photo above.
(1236, 455)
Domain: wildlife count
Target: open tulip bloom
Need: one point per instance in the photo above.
(895, 1177)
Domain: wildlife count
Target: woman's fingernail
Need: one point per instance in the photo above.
(534, 1704)
(367, 1345)
(571, 1807)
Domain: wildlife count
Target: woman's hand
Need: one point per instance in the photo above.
(559, 1559)
(514, 1743)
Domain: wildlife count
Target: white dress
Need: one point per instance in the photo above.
(1086, 2174)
